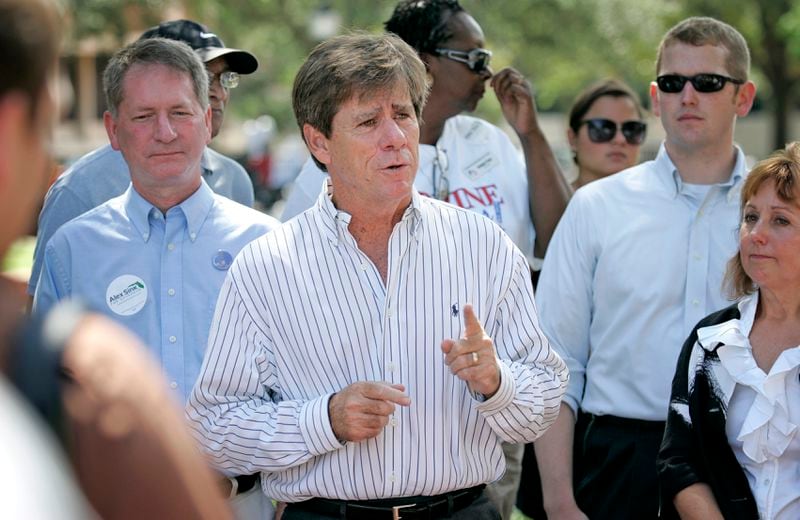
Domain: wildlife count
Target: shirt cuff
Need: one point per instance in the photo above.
(505, 392)
(315, 426)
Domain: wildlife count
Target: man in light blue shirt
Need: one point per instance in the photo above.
(103, 174)
(155, 257)
(636, 261)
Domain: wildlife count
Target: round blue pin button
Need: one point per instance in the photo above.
(222, 260)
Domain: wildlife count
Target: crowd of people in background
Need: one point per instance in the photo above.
(381, 353)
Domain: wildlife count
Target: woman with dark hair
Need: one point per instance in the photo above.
(606, 130)
(731, 447)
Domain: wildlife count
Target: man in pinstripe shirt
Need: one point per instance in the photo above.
(332, 366)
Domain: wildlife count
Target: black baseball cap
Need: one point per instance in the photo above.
(207, 44)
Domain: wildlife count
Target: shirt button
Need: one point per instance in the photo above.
(389, 314)
(393, 421)
(192, 235)
(392, 478)
(696, 257)
(364, 267)
(695, 302)
(170, 246)
(173, 385)
(173, 339)
(171, 292)
(390, 367)
(766, 482)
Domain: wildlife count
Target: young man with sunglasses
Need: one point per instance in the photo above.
(103, 174)
(636, 261)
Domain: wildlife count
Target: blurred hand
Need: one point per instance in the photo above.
(472, 358)
(361, 410)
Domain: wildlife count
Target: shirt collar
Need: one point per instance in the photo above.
(732, 332)
(672, 180)
(334, 222)
(195, 209)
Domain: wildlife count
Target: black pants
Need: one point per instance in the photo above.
(618, 477)
(480, 509)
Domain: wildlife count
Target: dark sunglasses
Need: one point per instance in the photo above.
(476, 59)
(603, 130)
(674, 83)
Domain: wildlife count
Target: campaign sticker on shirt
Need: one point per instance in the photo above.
(222, 260)
(481, 167)
(126, 295)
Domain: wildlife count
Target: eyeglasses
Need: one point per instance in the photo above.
(227, 79)
(603, 130)
(476, 59)
(441, 185)
(674, 83)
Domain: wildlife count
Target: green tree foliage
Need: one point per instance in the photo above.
(560, 45)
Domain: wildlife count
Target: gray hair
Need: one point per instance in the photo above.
(355, 64)
(154, 51)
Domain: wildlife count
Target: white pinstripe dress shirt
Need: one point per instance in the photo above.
(304, 313)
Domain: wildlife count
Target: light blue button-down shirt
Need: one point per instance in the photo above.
(158, 275)
(636, 261)
(103, 174)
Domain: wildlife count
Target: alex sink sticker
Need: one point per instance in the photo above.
(126, 295)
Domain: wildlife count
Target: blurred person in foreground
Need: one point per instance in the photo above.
(348, 359)
(637, 260)
(28, 62)
(90, 381)
(154, 258)
(606, 131)
(103, 174)
(731, 448)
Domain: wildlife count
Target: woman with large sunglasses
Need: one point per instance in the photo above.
(732, 447)
(606, 130)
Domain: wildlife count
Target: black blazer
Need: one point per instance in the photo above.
(700, 452)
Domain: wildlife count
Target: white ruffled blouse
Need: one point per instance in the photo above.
(763, 412)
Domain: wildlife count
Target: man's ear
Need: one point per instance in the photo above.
(207, 117)
(111, 129)
(317, 143)
(745, 98)
(654, 99)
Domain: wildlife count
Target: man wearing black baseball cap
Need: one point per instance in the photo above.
(224, 64)
(103, 174)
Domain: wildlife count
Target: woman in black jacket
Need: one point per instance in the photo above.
(732, 447)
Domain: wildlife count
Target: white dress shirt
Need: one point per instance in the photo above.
(763, 413)
(636, 261)
(304, 313)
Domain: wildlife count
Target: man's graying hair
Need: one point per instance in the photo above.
(357, 64)
(154, 51)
